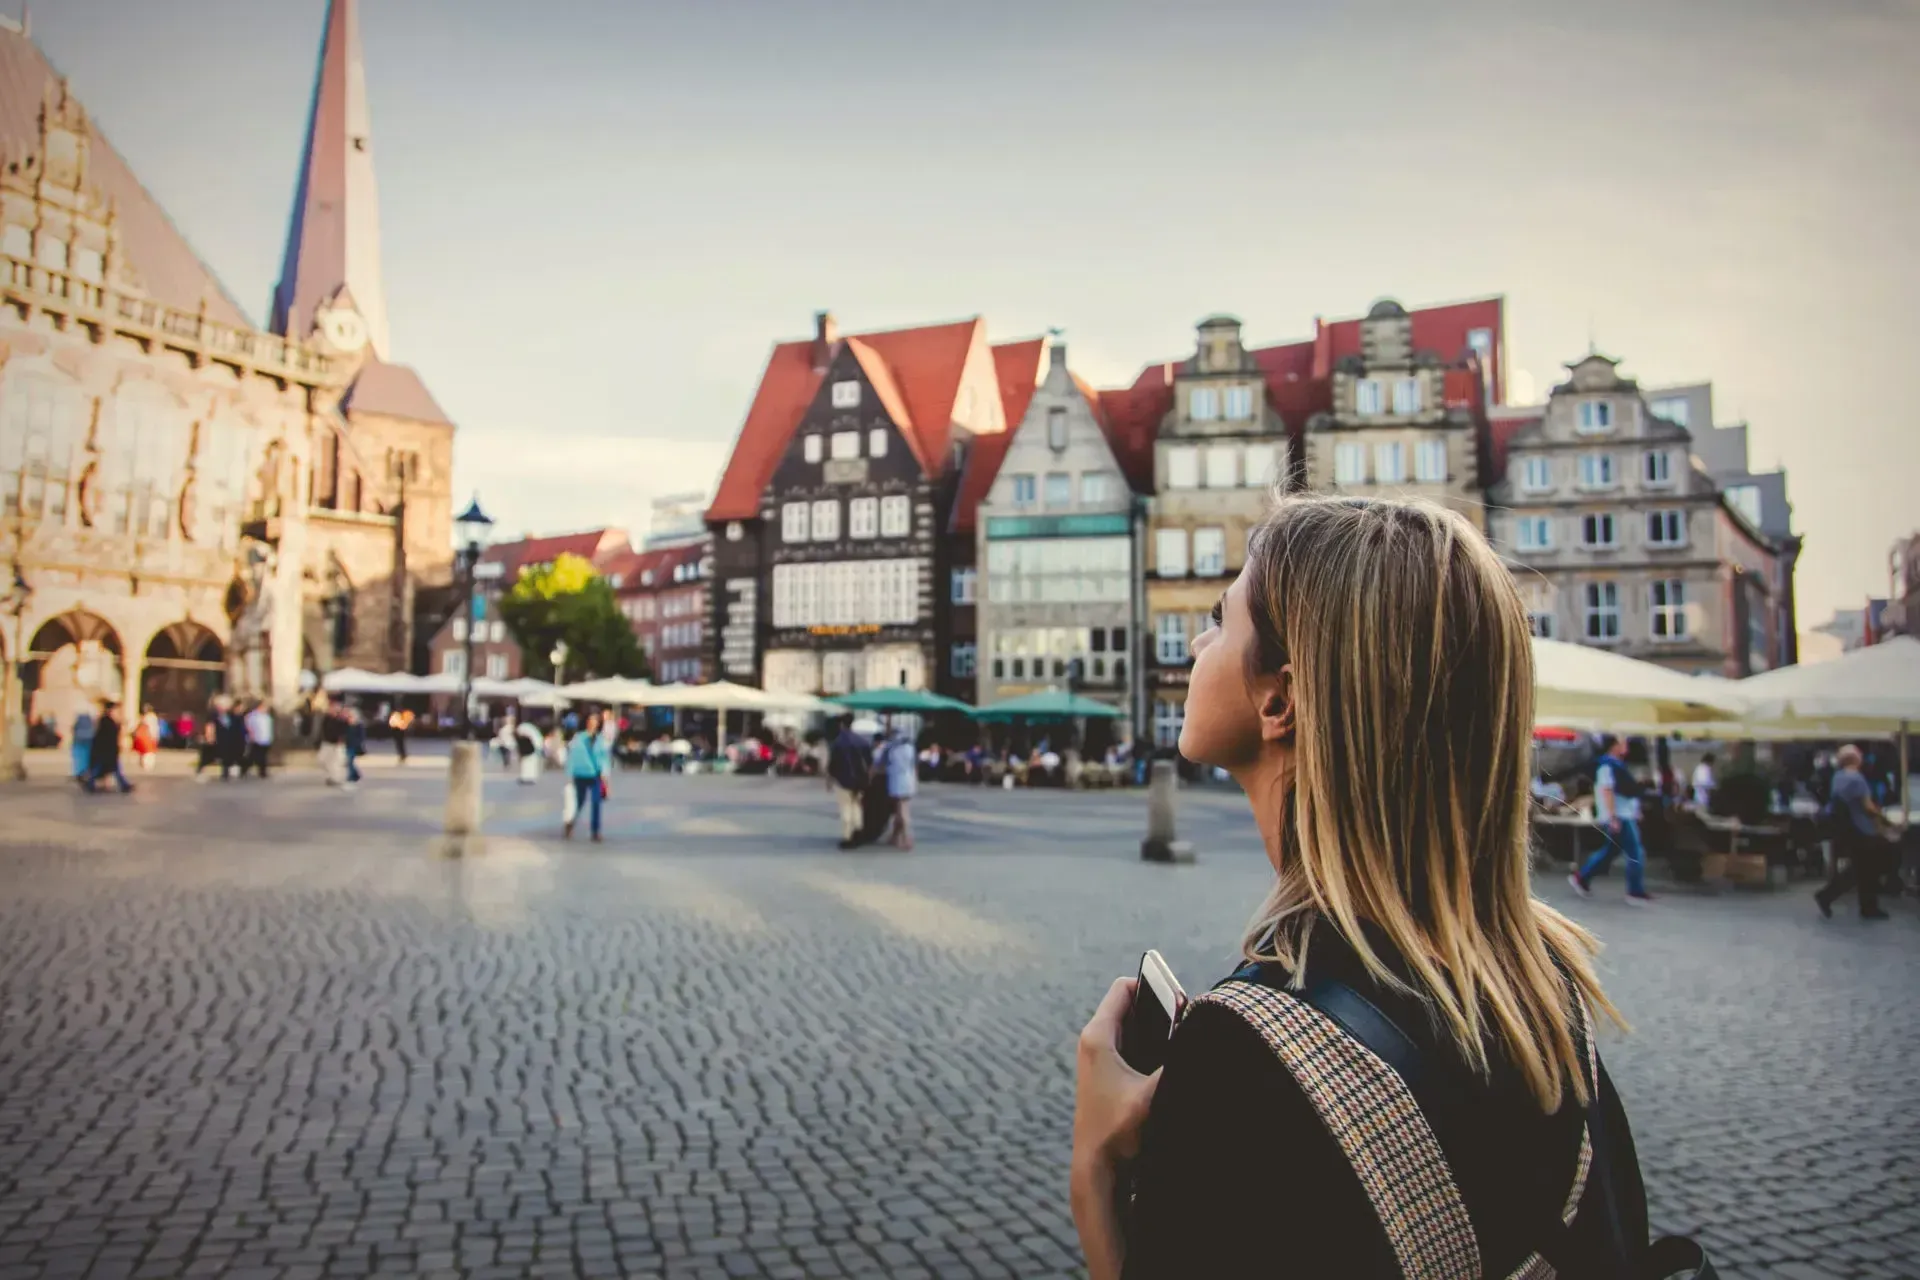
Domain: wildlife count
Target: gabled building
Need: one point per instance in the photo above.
(496, 654)
(1620, 538)
(1403, 421)
(1059, 534)
(662, 590)
(830, 524)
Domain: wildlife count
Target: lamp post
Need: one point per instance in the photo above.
(472, 527)
(558, 657)
(13, 753)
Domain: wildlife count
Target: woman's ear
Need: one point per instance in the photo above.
(1276, 707)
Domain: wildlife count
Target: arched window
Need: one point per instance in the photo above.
(223, 470)
(144, 456)
(41, 431)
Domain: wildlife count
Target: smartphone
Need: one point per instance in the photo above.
(1157, 1005)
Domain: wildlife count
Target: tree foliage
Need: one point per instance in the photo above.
(567, 600)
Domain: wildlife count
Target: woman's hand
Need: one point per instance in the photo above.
(1110, 1107)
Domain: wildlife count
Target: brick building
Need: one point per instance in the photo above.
(496, 655)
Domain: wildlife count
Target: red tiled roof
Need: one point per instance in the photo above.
(596, 545)
(394, 390)
(660, 563)
(1132, 416)
(1503, 425)
(1442, 330)
(165, 263)
(1016, 366)
(924, 367)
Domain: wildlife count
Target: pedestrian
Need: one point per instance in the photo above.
(103, 754)
(333, 745)
(80, 746)
(530, 751)
(1703, 783)
(146, 739)
(1390, 787)
(354, 745)
(258, 725)
(1616, 807)
(902, 784)
(587, 775)
(1853, 821)
(400, 722)
(849, 764)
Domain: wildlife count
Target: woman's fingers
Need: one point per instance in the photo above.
(1103, 1029)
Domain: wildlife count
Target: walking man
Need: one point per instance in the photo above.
(259, 729)
(1854, 820)
(849, 767)
(1703, 783)
(1616, 807)
(400, 721)
(103, 757)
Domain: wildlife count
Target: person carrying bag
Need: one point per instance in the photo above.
(1402, 1078)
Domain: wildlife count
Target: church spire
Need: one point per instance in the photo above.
(331, 271)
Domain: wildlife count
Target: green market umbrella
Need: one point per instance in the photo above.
(1048, 704)
(919, 701)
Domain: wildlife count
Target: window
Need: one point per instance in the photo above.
(1059, 490)
(863, 517)
(1170, 639)
(1603, 611)
(1367, 396)
(88, 265)
(836, 672)
(1406, 395)
(846, 395)
(1596, 471)
(1183, 467)
(1666, 528)
(877, 443)
(896, 516)
(846, 444)
(1594, 415)
(793, 522)
(960, 664)
(965, 582)
(1060, 570)
(1209, 552)
(826, 520)
(459, 630)
(1673, 408)
(810, 446)
(496, 666)
(846, 593)
(1430, 461)
(1094, 487)
(1657, 468)
(1262, 468)
(1349, 463)
(1170, 552)
(1203, 404)
(1536, 475)
(1239, 404)
(1480, 342)
(1023, 491)
(499, 631)
(1533, 533)
(1597, 530)
(17, 241)
(734, 531)
(1668, 600)
(1057, 429)
(53, 251)
(453, 663)
(1541, 601)
(1390, 463)
(1167, 719)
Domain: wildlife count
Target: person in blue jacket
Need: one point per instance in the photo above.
(586, 773)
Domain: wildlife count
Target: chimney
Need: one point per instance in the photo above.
(825, 334)
(1059, 355)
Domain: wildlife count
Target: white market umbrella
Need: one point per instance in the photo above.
(613, 690)
(1870, 692)
(1580, 687)
(359, 680)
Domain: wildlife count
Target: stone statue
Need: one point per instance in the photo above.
(255, 624)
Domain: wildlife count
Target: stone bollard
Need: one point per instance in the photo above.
(1161, 844)
(463, 799)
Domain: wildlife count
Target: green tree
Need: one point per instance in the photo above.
(567, 600)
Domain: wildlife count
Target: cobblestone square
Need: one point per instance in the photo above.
(265, 1030)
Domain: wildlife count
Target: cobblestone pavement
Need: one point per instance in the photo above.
(263, 1030)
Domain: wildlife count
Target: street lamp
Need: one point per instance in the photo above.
(14, 605)
(558, 657)
(472, 528)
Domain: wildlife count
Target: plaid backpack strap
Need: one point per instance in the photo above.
(1371, 1113)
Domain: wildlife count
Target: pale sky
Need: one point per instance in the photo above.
(599, 214)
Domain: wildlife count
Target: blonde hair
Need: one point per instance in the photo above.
(1412, 677)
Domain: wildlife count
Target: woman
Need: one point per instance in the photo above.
(80, 746)
(146, 739)
(902, 783)
(1368, 681)
(587, 774)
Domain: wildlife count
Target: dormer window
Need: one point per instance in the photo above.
(846, 395)
(1239, 404)
(1057, 429)
(1203, 405)
(1406, 395)
(1594, 416)
(811, 448)
(646, 577)
(1367, 397)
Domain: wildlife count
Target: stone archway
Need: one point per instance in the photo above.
(73, 661)
(186, 665)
